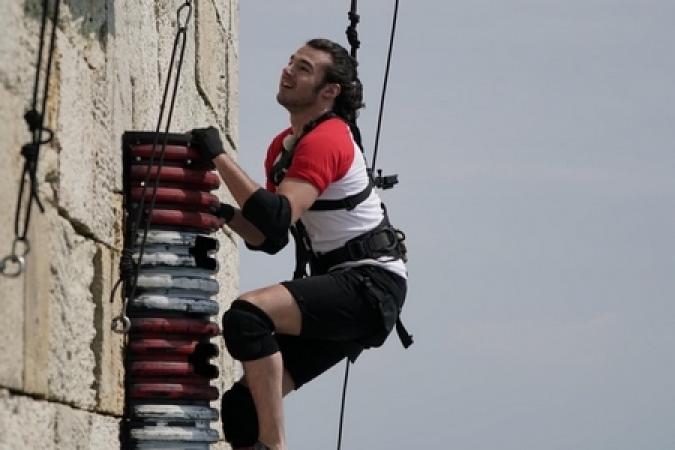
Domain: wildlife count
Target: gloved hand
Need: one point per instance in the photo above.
(200, 359)
(207, 141)
(225, 212)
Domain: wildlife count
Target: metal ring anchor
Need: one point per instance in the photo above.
(121, 319)
(12, 266)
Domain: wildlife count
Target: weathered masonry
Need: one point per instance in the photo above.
(61, 366)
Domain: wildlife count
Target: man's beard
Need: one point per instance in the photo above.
(293, 102)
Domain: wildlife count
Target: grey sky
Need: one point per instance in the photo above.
(534, 142)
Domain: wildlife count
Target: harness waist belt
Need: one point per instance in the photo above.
(383, 240)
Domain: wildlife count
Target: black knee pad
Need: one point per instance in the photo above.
(248, 332)
(239, 417)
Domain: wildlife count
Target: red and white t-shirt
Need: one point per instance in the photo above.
(329, 158)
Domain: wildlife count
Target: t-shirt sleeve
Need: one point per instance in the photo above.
(320, 159)
(273, 152)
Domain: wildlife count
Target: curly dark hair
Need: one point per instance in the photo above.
(343, 71)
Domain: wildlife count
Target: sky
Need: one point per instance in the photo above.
(534, 142)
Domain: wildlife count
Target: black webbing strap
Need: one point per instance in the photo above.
(303, 250)
(279, 169)
(405, 337)
(347, 203)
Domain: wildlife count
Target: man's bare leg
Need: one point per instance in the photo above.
(265, 377)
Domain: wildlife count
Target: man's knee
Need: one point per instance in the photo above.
(239, 417)
(248, 332)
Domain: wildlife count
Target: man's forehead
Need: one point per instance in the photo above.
(313, 56)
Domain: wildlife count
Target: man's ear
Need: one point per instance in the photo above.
(331, 90)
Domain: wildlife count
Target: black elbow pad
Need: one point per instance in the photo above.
(271, 214)
(270, 247)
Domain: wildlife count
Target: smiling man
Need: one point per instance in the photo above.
(318, 188)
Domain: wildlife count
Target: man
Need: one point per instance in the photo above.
(289, 333)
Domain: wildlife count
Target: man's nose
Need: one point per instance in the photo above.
(288, 70)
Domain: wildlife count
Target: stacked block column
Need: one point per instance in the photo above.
(168, 372)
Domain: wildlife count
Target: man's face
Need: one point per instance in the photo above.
(302, 79)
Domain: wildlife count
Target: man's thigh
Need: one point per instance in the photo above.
(305, 359)
(335, 306)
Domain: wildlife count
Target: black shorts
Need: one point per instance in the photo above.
(343, 312)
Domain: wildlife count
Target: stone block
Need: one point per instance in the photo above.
(87, 164)
(108, 346)
(20, 47)
(71, 317)
(11, 163)
(211, 61)
(28, 423)
(233, 78)
(36, 305)
(103, 434)
(25, 423)
(81, 430)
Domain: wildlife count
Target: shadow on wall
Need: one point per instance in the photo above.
(89, 18)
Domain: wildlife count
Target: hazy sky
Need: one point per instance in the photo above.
(535, 146)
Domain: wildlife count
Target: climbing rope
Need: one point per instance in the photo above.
(390, 180)
(14, 264)
(129, 271)
(380, 181)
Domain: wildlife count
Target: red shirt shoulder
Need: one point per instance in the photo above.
(324, 155)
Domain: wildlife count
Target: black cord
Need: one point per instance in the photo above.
(31, 151)
(181, 37)
(342, 406)
(384, 86)
(352, 37)
(35, 122)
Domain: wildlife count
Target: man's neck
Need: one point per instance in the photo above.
(300, 118)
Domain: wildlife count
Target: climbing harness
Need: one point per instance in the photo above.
(128, 271)
(14, 264)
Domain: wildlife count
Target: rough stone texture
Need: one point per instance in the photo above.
(108, 346)
(71, 317)
(25, 423)
(211, 73)
(86, 162)
(61, 374)
(11, 320)
(30, 424)
(36, 306)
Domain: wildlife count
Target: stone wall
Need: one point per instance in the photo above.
(61, 371)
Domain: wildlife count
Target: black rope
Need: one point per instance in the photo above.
(31, 151)
(342, 405)
(129, 271)
(384, 85)
(352, 34)
(379, 181)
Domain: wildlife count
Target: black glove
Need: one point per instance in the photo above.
(200, 359)
(207, 141)
(225, 212)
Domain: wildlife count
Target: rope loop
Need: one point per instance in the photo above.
(22, 244)
(182, 26)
